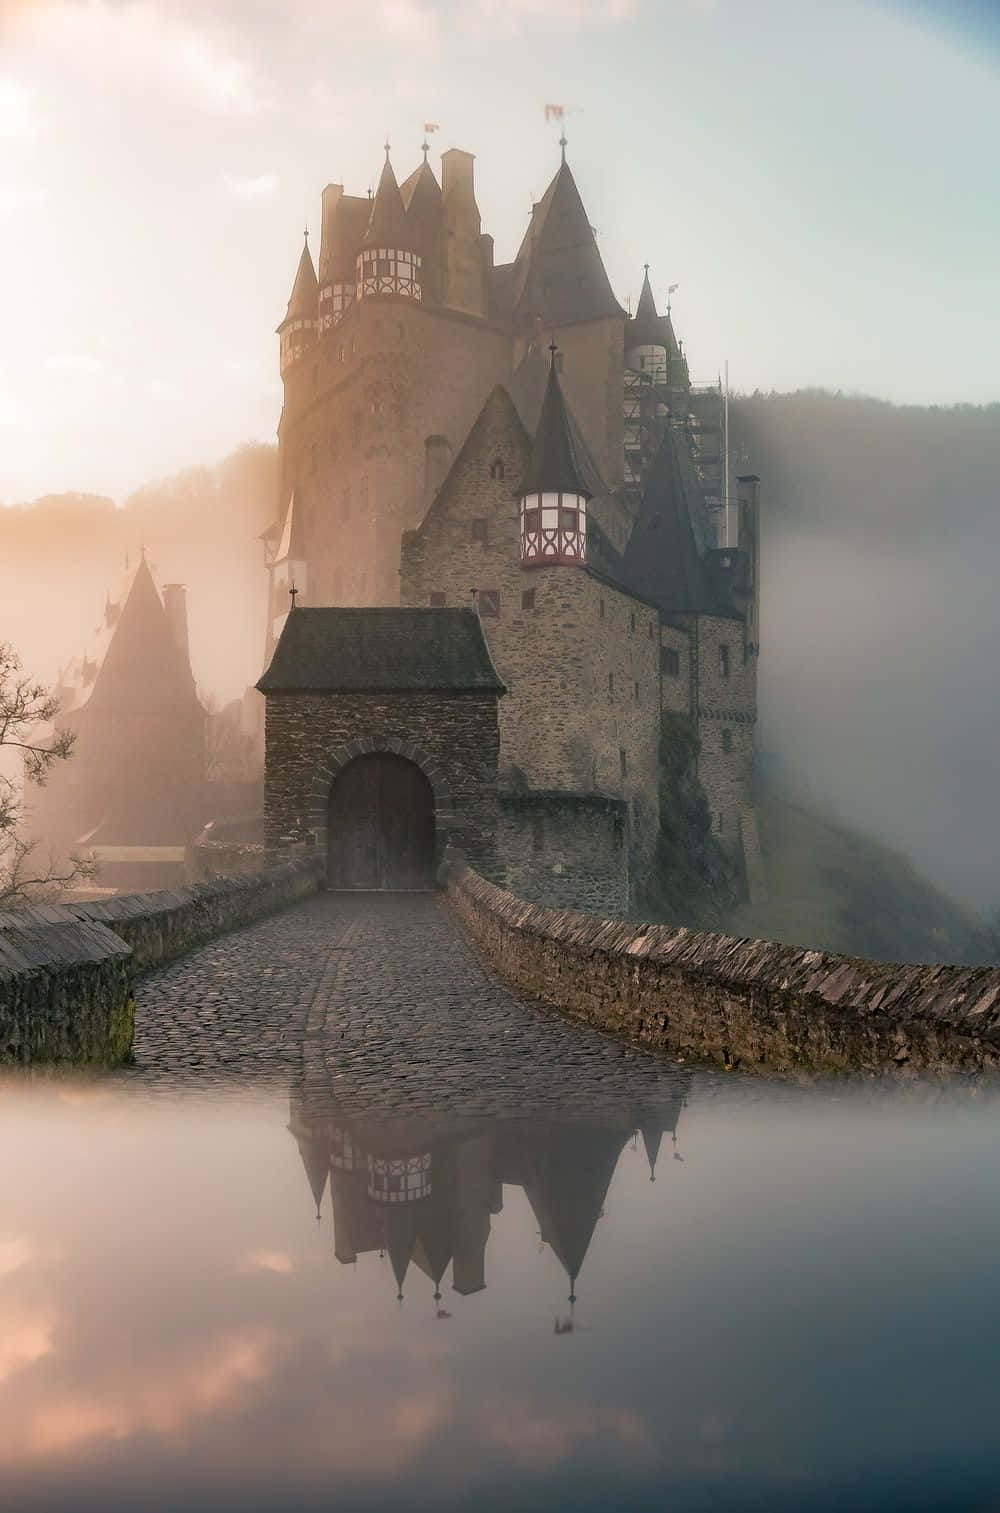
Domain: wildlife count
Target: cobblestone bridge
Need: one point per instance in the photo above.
(380, 995)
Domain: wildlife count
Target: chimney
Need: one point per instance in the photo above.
(457, 176)
(175, 604)
(437, 460)
(332, 195)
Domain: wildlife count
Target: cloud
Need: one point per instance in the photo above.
(278, 1261)
(260, 187)
(26, 1336)
(18, 116)
(74, 362)
(508, 16)
(15, 1252)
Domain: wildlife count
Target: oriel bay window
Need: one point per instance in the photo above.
(389, 270)
(553, 528)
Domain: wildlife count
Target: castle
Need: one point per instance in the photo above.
(459, 432)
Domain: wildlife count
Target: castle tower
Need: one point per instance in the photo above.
(298, 330)
(387, 261)
(554, 491)
(559, 284)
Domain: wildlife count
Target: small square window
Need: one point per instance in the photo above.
(437, 601)
(568, 521)
(489, 603)
(528, 598)
(481, 530)
(532, 520)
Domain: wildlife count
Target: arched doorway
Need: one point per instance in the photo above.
(380, 826)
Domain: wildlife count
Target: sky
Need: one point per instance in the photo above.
(816, 177)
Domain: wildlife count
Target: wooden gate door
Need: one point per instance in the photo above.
(380, 831)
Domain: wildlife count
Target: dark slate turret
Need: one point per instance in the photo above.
(387, 224)
(558, 273)
(304, 297)
(558, 464)
(662, 562)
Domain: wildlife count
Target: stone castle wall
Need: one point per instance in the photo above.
(457, 734)
(749, 1003)
(726, 716)
(358, 409)
(565, 851)
(66, 970)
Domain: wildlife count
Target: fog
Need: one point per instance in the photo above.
(879, 616)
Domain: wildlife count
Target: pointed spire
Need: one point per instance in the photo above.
(651, 1137)
(304, 297)
(387, 225)
(562, 145)
(555, 465)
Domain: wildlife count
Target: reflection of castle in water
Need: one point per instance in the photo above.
(423, 1190)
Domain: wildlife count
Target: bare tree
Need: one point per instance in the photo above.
(26, 874)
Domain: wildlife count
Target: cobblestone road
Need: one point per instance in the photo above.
(382, 996)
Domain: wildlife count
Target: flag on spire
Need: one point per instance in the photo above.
(554, 112)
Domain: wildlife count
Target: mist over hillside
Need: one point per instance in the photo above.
(880, 543)
(881, 535)
(61, 554)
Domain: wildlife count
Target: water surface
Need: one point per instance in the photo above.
(800, 1312)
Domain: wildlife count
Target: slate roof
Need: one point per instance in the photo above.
(558, 272)
(559, 461)
(381, 650)
(305, 290)
(387, 226)
(662, 561)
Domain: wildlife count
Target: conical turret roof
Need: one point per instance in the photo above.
(387, 226)
(647, 328)
(304, 298)
(557, 463)
(558, 270)
(662, 562)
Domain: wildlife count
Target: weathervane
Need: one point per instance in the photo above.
(293, 594)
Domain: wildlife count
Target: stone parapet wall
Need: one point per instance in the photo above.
(564, 850)
(66, 970)
(65, 989)
(747, 1003)
(161, 925)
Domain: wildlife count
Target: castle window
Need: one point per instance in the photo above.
(528, 598)
(489, 602)
(537, 835)
(727, 740)
(496, 468)
(651, 630)
(631, 625)
(670, 661)
(623, 761)
(480, 530)
(602, 609)
(637, 692)
(723, 661)
(636, 810)
(437, 601)
(341, 354)
(611, 685)
(569, 520)
(532, 521)
(720, 821)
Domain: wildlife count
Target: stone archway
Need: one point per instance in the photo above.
(337, 762)
(380, 825)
